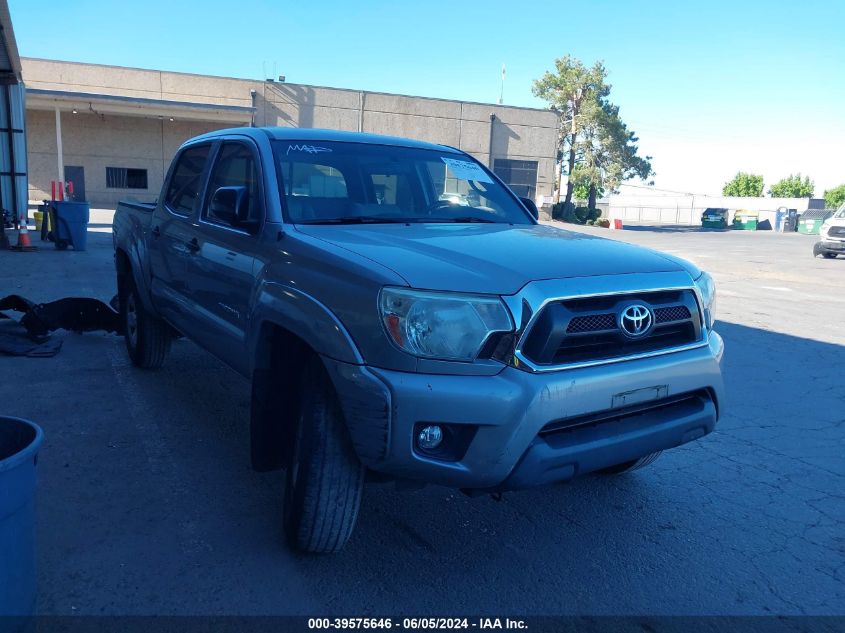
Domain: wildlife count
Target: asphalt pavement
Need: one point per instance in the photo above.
(147, 504)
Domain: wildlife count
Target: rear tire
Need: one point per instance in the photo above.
(147, 337)
(626, 467)
(324, 478)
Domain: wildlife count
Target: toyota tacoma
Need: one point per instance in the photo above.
(401, 314)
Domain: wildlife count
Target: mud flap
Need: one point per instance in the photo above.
(267, 432)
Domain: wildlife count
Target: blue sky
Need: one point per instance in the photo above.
(710, 87)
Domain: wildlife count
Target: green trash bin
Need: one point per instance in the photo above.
(714, 218)
(745, 220)
(811, 220)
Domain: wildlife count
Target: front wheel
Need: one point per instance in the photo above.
(324, 477)
(635, 464)
(147, 337)
(829, 255)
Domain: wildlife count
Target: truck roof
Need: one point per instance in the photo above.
(318, 135)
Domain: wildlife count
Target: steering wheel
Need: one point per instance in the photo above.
(442, 204)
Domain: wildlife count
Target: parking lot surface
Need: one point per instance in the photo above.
(147, 504)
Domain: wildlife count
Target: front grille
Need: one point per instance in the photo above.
(587, 329)
(592, 323)
(675, 313)
(836, 231)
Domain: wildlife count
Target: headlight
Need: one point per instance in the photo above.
(441, 325)
(707, 287)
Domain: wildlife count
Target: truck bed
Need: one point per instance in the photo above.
(138, 206)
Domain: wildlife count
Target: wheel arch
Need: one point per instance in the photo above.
(276, 398)
(128, 266)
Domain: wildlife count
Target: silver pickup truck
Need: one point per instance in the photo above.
(402, 315)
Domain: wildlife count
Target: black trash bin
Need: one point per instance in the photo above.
(790, 221)
(19, 444)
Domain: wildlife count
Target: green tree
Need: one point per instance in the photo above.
(581, 182)
(575, 93)
(608, 154)
(744, 185)
(793, 186)
(599, 149)
(834, 198)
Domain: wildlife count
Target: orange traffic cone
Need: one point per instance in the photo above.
(24, 243)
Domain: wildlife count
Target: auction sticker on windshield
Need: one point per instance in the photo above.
(465, 170)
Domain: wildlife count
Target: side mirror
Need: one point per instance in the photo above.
(529, 204)
(227, 205)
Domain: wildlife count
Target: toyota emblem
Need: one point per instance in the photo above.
(636, 320)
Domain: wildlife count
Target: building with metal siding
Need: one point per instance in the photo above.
(13, 161)
(113, 130)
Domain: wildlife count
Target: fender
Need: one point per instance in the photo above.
(305, 317)
(311, 325)
(130, 241)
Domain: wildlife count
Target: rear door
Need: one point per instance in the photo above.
(172, 240)
(221, 273)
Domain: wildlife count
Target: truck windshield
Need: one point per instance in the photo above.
(346, 183)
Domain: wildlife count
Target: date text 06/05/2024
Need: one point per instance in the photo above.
(416, 623)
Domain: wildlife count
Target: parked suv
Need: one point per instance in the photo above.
(832, 236)
(399, 311)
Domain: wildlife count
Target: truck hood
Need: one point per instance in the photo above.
(489, 258)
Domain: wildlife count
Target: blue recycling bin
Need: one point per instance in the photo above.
(70, 224)
(19, 444)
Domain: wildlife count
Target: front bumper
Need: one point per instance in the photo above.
(508, 411)
(829, 246)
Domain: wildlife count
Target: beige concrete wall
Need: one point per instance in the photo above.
(96, 143)
(126, 141)
(134, 82)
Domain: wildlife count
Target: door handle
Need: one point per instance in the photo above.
(193, 245)
(156, 231)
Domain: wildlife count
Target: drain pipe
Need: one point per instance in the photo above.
(490, 143)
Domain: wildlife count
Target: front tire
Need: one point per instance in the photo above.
(636, 464)
(324, 479)
(829, 255)
(147, 337)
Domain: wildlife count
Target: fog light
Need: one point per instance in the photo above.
(430, 437)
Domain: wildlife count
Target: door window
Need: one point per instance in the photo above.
(186, 181)
(236, 167)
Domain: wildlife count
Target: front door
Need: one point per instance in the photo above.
(221, 274)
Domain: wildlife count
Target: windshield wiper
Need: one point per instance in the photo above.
(358, 219)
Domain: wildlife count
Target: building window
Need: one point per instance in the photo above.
(519, 175)
(125, 178)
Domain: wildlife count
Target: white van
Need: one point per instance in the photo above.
(832, 234)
